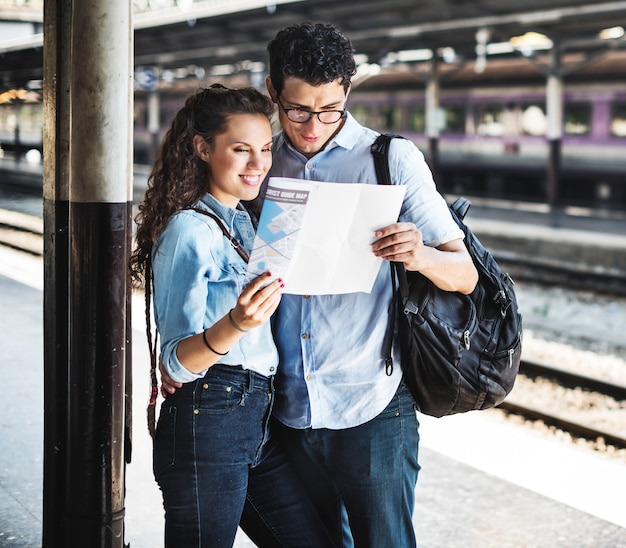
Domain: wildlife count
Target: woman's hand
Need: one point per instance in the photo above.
(255, 305)
(257, 302)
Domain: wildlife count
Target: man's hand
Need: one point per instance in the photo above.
(168, 385)
(448, 266)
(402, 243)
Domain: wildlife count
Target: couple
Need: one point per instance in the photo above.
(322, 449)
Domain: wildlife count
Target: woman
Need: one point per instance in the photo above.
(213, 457)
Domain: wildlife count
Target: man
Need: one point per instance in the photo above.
(350, 428)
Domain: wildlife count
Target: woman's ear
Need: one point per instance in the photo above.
(202, 147)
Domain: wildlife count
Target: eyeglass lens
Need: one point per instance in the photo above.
(326, 117)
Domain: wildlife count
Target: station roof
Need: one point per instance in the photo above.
(236, 32)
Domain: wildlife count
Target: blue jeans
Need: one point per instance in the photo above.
(213, 456)
(369, 470)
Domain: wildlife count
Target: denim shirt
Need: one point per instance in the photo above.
(198, 277)
(331, 347)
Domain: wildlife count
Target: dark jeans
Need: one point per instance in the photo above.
(371, 470)
(213, 454)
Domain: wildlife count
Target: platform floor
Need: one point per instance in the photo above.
(484, 482)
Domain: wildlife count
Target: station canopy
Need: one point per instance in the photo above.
(212, 37)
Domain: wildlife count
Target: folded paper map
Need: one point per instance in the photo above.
(317, 236)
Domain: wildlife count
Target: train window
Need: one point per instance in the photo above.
(454, 119)
(381, 118)
(489, 120)
(389, 118)
(618, 119)
(8, 119)
(416, 118)
(31, 117)
(362, 114)
(534, 120)
(28, 117)
(577, 119)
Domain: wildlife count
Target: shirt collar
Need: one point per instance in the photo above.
(224, 212)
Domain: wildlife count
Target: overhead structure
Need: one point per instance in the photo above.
(233, 34)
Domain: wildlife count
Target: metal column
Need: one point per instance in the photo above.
(433, 113)
(154, 123)
(554, 132)
(56, 139)
(88, 287)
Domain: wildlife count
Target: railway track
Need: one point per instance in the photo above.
(21, 231)
(561, 419)
(537, 270)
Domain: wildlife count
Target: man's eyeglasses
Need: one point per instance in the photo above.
(300, 116)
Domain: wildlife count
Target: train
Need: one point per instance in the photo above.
(492, 140)
(491, 132)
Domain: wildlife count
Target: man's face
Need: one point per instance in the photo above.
(311, 136)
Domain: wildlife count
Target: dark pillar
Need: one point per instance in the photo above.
(553, 189)
(97, 391)
(100, 199)
(554, 103)
(56, 139)
(19, 152)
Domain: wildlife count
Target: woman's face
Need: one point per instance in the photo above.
(240, 158)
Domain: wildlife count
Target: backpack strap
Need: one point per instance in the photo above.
(227, 235)
(380, 152)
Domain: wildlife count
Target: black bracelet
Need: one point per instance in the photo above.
(234, 323)
(210, 347)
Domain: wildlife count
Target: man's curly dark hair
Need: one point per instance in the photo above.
(316, 53)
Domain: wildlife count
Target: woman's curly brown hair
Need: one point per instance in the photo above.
(179, 177)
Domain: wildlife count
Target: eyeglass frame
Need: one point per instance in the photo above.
(342, 114)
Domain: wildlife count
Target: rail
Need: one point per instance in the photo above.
(561, 419)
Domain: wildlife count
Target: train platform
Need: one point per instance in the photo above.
(485, 482)
(584, 239)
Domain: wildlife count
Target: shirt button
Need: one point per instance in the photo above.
(309, 166)
(195, 411)
(205, 386)
(309, 377)
(272, 368)
(305, 335)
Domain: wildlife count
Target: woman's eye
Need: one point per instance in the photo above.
(241, 150)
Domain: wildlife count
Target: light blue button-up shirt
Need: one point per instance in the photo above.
(331, 347)
(198, 277)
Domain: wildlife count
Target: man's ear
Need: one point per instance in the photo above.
(270, 89)
(201, 147)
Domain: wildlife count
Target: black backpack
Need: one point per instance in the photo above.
(459, 352)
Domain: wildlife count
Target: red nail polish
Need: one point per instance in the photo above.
(268, 274)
